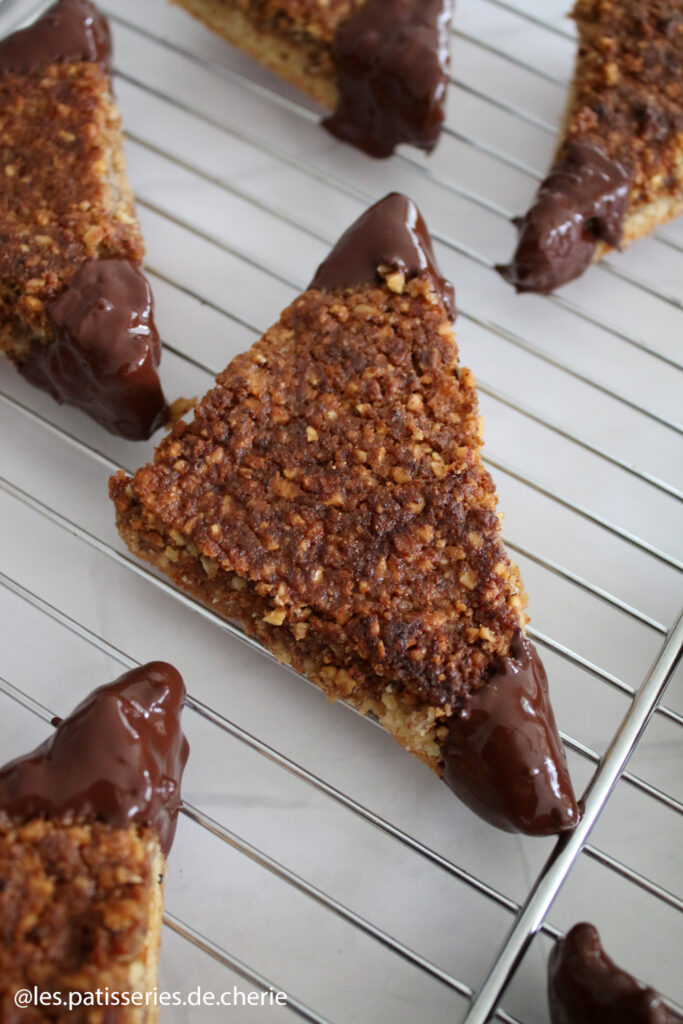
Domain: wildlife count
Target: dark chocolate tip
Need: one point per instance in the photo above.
(391, 235)
(581, 202)
(106, 350)
(70, 30)
(504, 757)
(117, 758)
(586, 987)
(392, 59)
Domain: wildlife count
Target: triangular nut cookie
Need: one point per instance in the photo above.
(86, 822)
(618, 172)
(329, 495)
(76, 312)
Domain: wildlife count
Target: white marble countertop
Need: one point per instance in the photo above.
(240, 194)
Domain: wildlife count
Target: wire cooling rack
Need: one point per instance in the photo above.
(312, 854)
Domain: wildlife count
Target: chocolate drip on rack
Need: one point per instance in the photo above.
(586, 987)
(504, 757)
(106, 350)
(392, 60)
(70, 30)
(581, 202)
(391, 236)
(118, 758)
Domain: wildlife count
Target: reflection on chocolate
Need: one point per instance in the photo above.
(504, 757)
(391, 234)
(581, 202)
(70, 30)
(392, 58)
(118, 758)
(586, 987)
(106, 350)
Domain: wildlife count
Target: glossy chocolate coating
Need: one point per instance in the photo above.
(504, 757)
(392, 60)
(118, 758)
(106, 349)
(391, 234)
(70, 30)
(586, 987)
(581, 202)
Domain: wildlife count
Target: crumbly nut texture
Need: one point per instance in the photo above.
(64, 194)
(318, 18)
(294, 38)
(627, 98)
(80, 909)
(329, 495)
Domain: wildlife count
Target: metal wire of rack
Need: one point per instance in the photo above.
(189, 105)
